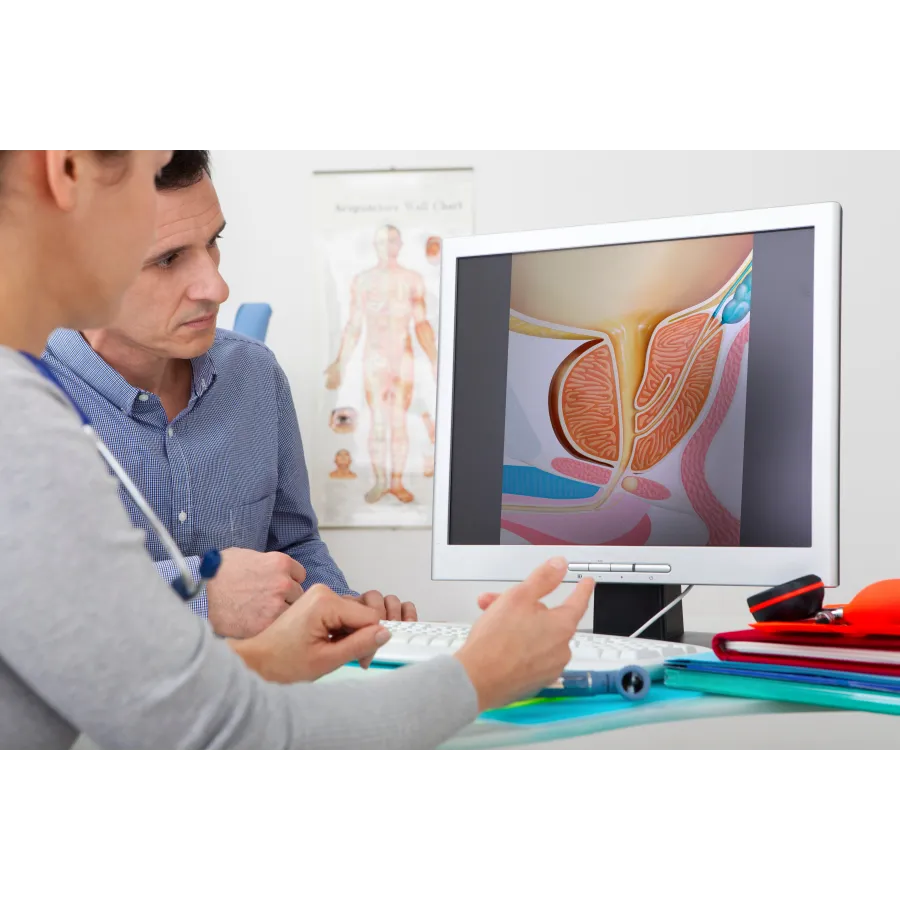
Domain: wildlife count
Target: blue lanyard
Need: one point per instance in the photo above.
(185, 585)
(50, 375)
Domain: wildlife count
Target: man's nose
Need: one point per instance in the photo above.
(210, 285)
(221, 291)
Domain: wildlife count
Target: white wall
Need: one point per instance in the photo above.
(266, 256)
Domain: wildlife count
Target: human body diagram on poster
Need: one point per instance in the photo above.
(387, 307)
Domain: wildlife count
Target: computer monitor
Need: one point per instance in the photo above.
(656, 401)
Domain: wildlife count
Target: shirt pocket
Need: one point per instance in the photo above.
(248, 525)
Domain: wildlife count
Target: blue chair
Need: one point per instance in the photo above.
(252, 319)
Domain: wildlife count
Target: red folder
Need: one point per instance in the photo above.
(831, 650)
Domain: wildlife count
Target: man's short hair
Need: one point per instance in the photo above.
(187, 167)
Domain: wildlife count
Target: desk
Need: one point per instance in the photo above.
(790, 727)
(722, 723)
(713, 722)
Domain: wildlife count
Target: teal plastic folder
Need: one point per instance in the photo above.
(784, 691)
(545, 711)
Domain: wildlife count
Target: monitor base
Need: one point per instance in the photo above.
(622, 608)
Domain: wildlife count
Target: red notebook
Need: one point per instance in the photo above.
(844, 652)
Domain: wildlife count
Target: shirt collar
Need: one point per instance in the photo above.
(74, 352)
(204, 374)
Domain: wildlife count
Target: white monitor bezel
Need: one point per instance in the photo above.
(689, 565)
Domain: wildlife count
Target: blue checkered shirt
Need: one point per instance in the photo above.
(228, 471)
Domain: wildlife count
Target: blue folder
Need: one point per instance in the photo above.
(710, 663)
(793, 684)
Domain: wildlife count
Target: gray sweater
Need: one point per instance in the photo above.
(93, 641)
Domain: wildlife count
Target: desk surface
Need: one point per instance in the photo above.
(727, 724)
(801, 730)
(700, 638)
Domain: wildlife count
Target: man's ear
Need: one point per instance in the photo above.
(65, 170)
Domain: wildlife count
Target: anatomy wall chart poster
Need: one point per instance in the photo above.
(378, 251)
(626, 394)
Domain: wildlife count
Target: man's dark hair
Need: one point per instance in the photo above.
(186, 168)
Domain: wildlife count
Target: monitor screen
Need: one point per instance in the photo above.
(642, 394)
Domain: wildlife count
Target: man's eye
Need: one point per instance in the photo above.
(167, 261)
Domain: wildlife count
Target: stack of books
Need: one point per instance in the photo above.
(827, 665)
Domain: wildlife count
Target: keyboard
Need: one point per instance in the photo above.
(413, 642)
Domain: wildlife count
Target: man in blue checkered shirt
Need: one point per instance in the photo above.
(203, 421)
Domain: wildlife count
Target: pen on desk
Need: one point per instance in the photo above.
(630, 682)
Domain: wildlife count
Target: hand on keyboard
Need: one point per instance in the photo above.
(388, 606)
(314, 636)
(519, 646)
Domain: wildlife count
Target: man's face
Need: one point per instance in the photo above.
(387, 244)
(171, 309)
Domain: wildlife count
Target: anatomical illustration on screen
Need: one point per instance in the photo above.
(379, 239)
(626, 394)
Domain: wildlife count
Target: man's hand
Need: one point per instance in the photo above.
(251, 590)
(333, 376)
(388, 607)
(518, 645)
(314, 637)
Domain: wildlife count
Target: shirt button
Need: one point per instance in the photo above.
(171, 432)
(143, 397)
(182, 516)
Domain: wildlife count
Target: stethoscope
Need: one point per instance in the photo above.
(184, 585)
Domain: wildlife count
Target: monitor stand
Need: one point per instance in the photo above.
(622, 608)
